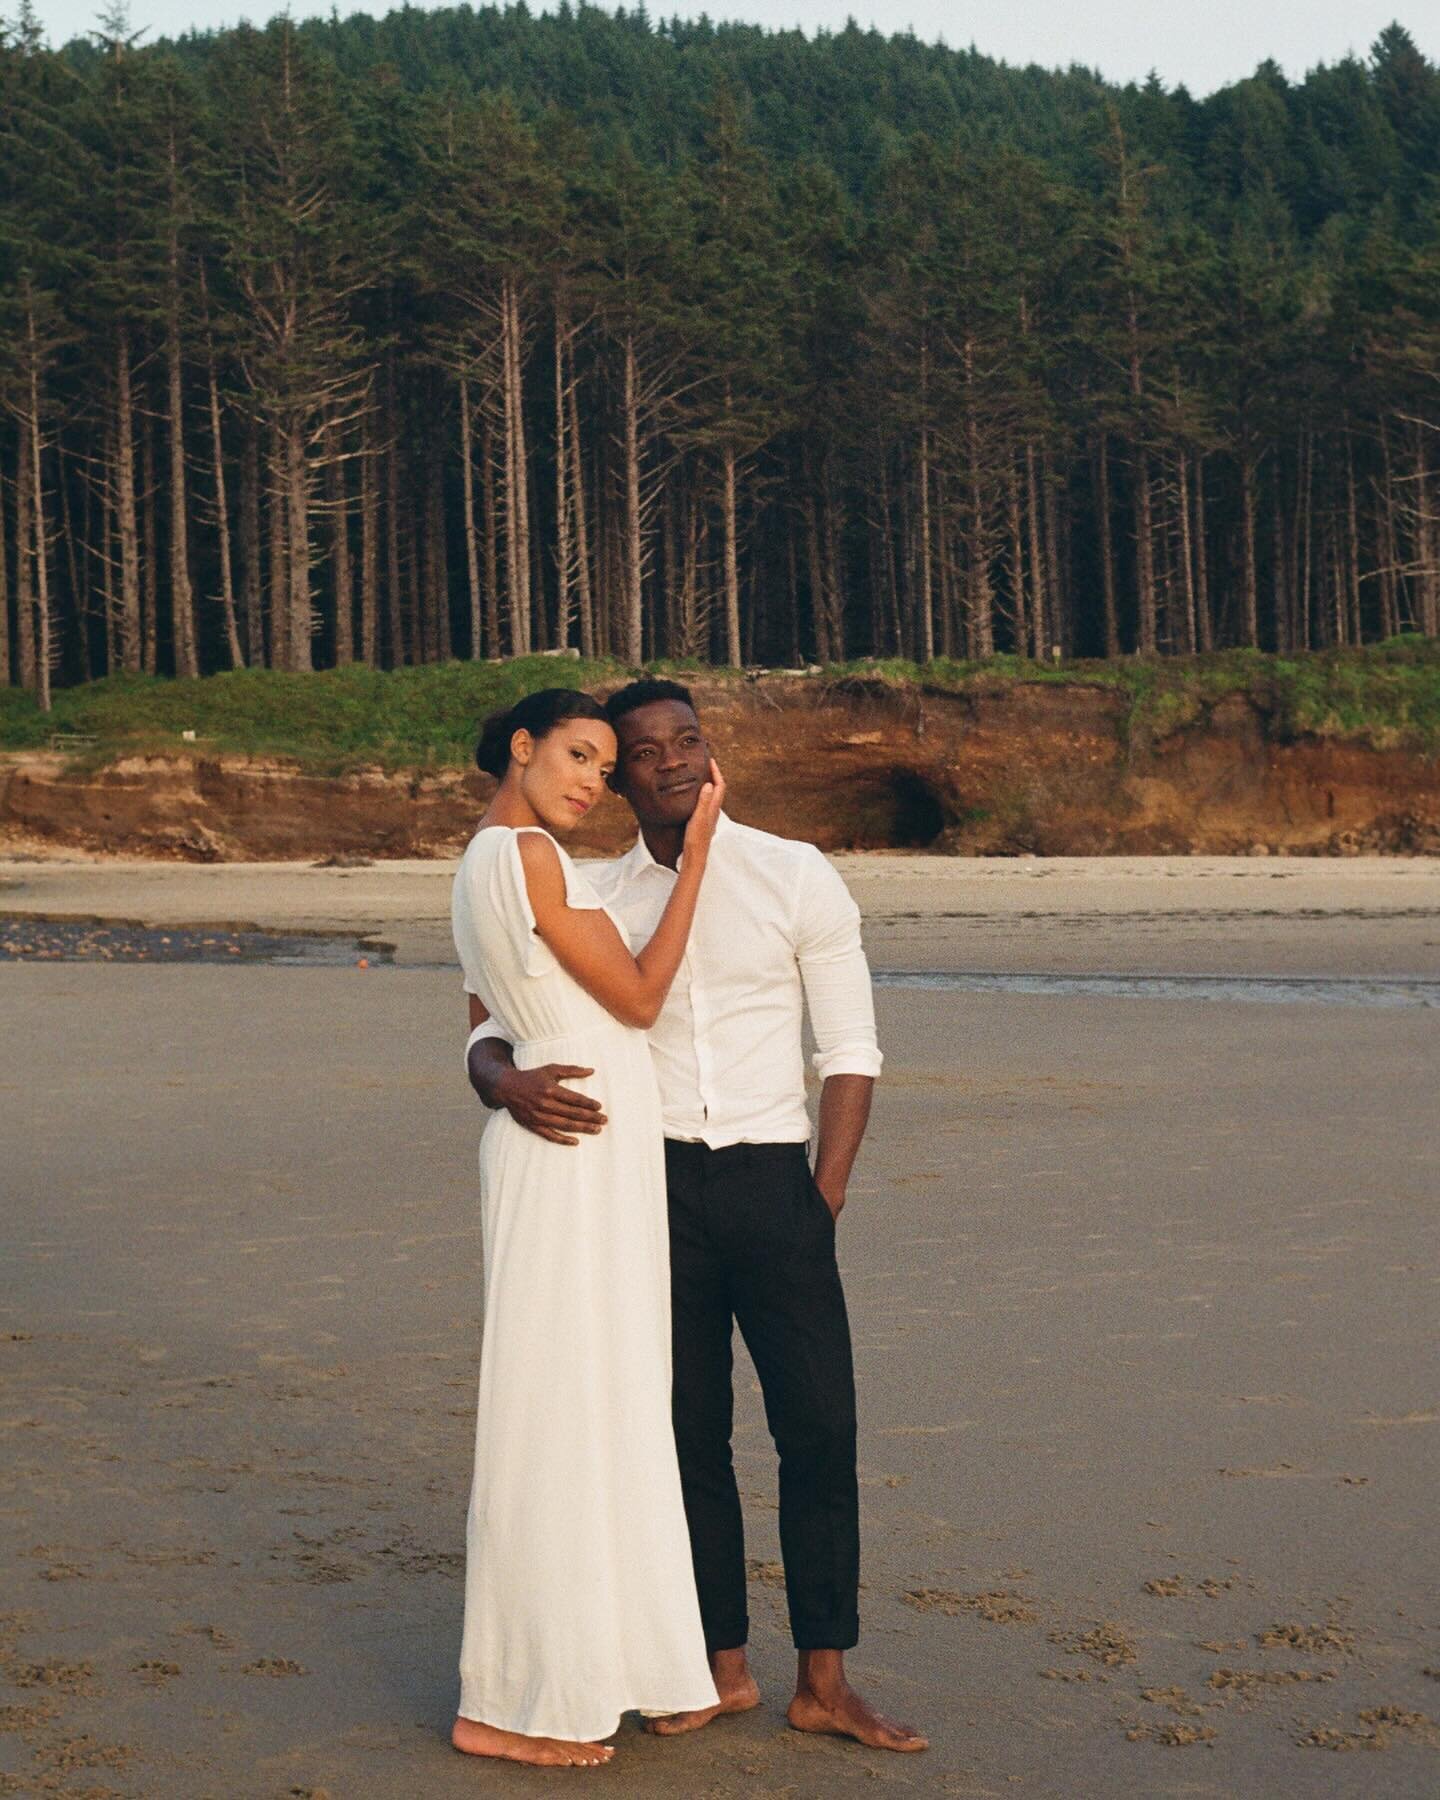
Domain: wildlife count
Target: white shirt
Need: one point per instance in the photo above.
(775, 929)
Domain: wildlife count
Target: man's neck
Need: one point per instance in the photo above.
(664, 842)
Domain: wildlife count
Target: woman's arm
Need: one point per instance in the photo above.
(586, 944)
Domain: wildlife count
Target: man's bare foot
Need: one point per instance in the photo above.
(476, 1739)
(734, 1684)
(843, 1713)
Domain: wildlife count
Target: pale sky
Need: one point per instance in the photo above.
(1205, 46)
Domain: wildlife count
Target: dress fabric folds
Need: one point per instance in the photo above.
(579, 1589)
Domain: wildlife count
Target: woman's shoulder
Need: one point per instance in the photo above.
(529, 840)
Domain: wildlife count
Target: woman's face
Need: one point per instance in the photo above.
(562, 774)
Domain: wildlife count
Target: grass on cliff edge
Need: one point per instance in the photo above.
(1387, 695)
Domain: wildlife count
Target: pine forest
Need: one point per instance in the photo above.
(473, 333)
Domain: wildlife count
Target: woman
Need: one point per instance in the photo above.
(579, 1593)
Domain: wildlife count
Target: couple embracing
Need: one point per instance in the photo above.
(642, 1194)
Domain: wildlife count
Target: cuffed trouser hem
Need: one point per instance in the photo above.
(843, 1634)
(716, 1641)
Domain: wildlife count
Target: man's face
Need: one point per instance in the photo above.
(662, 762)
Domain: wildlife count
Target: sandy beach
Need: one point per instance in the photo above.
(1143, 1290)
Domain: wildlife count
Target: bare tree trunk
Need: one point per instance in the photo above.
(733, 654)
(149, 561)
(1019, 627)
(72, 565)
(338, 498)
(946, 545)
(437, 560)
(252, 604)
(834, 565)
(24, 561)
(492, 548)
(979, 587)
(517, 519)
(539, 613)
(890, 585)
(222, 519)
(582, 531)
(128, 618)
(370, 553)
(182, 599)
(1280, 587)
(563, 540)
(1204, 621)
(297, 494)
(1389, 541)
(925, 651)
(467, 495)
(1250, 591)
(1144, 554)
(410, 565)
(1352, 544)
(793, 589)
(1039, 623)
(1187, 554)
(89, 556)
(1049, 512)
(279, 583)
(37, 520)
(108, 561)
(394, 606)
(819, 620)
(1107, 545)
(1427, 610)
(5, 675)
(633, 566)
(1304, 525)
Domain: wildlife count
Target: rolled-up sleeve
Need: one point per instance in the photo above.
(835, 974)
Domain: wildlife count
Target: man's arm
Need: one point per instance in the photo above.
(836, 978)
(534, 1098)
(844, 1114)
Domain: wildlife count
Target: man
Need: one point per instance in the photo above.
(752, 1233)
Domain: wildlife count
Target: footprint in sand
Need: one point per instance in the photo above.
(1105, 1643)
(998, 1606)
(1379, 1722)
(1173, 1699)
(66, 1678)
(1329, 1636)
(1172, 1736)
(154, 1672)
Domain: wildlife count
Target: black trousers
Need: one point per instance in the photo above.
(752, 1243)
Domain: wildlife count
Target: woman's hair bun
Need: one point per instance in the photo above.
(538, 713)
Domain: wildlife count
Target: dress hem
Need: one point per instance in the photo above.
(566, 1735)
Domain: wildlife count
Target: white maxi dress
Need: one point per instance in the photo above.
(579, 1590)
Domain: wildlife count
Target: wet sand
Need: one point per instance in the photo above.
(1065, 914)
(1144, 1298)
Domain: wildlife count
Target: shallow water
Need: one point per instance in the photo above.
(90, 940)
(1343, 990)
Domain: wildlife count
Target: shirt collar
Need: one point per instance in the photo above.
(637, 858)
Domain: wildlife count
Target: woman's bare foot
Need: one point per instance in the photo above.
(476, 1739)
(733, 1683)
(825, 1701)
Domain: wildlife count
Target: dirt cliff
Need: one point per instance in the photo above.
(852, 765)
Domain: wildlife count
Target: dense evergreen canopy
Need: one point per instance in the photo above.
(467, 333)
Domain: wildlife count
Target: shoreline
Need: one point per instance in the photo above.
(1217, 916)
